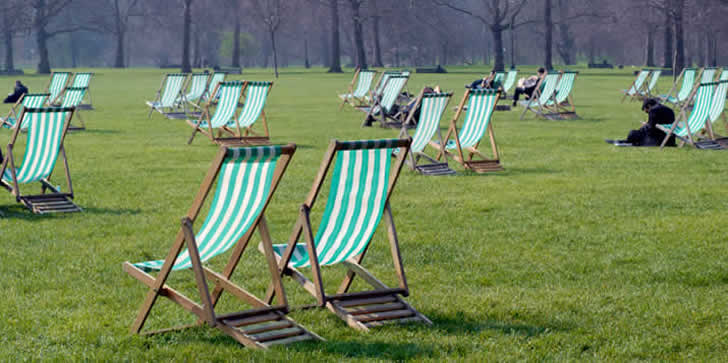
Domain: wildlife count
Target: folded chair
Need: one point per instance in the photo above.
(686, 89)
(561, 106)
(383, 103)
(72, 97)
(197, 87)
(717, 109)
(541, 96)
(687, 128)
(363, 179)
(47, 129)
(363, 79)
(480, 107)
(634, 91)
(27, 100)
(246, 180)
(650, 90)
(432, 106)
(58, 83)
(207, 122)
(217, 78)
(83, 80)
(170, 97)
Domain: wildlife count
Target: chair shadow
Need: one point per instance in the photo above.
(462, 324)
(99, 131)
(19, 211)
(114, 212)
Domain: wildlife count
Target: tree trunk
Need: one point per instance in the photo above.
(74, 49)
(9, 65)
(186, 67)
(307, 62)
(335, 46)
(566, 44)
(325, 59)
(667, 55)
(275, 54)
(119, 32)
(679, 36)
(44, 66)
(377, 44)
(548, 29)
(513, 48)
(498, 47)
(361, 56)
(236, 40)
(650, 48)
(592, 50)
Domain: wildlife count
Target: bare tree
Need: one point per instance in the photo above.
(186, 66)
(270, 12)
(45, 12)
(376, 18)
(335, 38)
(14, 16)
(112, 17)
(356, 18)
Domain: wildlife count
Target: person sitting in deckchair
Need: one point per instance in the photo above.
(526, 86)
(488, 82)
(413, 106)
(19, 90)
(649, 134)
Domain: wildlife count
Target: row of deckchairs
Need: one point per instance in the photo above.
(362, 178)
(639, 90)
(181, 94)
(71, 97)
(61, 81)
(552, 99)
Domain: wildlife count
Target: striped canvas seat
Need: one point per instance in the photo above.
(723, 75)
(171, 91)
(688, 79)
(481, 104)
(431, 110)
(392, 89)
(30, 100)
(226, 106)
(73, 97)
(217, 78)
(546, 91)
(499, 77)
(655, 77)
(563, 89)
(639, 81)
(383, 81)
(708, 75)
(81, 80)
(57, 85)
(198, 85)
(510, 80)
(698, 116)
(255, 96)
(717, 106)
(243, 187)
(363, 84)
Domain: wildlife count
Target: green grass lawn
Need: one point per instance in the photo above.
(579, 250)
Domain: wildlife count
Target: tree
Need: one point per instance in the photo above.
(14, 14)
(44, 12)
(356, 18)
(187, 29)
(548, 31)
(270, 12)
(335, 38)
(376, 18)
(113, 18)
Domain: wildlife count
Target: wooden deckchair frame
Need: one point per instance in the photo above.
(558, 110)
(14, 109)
(205, 312)
(637, 90)
(649, 93)
(78, 111)
(679, 80)
(338, 302)
(60, 94)
(197, 104)
(479, 166)
(206, 115)
(682, 117)
(350, 89)
(90, 104)
(58, 201)
(376, 101)
(181, 99)
(537, 96)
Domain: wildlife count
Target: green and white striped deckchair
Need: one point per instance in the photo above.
(170, 96)
(637, 85)
(58, 83)
(650, 90)
(384, 102)
(510, 80)
(197, 87)
(479, 113)
(382, 82)
(717, 109)
(217, 78)
(246, 181)
(561, 106)
(256, 94)
(83, 80)
(28, 100)
(543, 93)
(47, 129)
(230, 93)
(432, 106)
(688, 76)
(362, 181)
(685, 129)
(363, 79)
(708, 74)
(72, 97)
(723, 75)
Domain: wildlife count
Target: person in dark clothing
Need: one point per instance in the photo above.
(18, 92)
(649, 134)
(527, 86)
(487, 82)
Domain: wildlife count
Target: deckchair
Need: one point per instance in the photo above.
(432, 106)
(686, 89)
(363, 79)
(686, 128)
(510, 80)
(246, 180)
(480, 107)
(56, 85)
(72, 97)
(634, 90)
(649, 91)
(169, 100)
(27, 100)
(708, 74)
(543, 93)
(717, 109)
(47, 129)
(363, 179)
(207, 122)
(256, 94)
(217, 78)
(383, 103)
(381, 82)
(83, 80)
(723, 75)
(561, 106)
(196, 88)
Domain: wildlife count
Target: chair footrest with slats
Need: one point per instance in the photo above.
(484, 166)
(561, 116)
(717, 144)
(435, 169)
(502, 107)
(49, 203)
(176, 115)
(369, 312)
(243, 141)
(263, 329)
(85, 107)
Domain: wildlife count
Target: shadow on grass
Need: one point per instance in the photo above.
(363, 348)
(98, 131)
(109, 211)
(462, 324)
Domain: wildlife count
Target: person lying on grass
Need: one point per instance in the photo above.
(649, 134)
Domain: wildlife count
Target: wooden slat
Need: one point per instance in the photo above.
(264, 327)
(290, 340)
(361, 302)
(376, 308)
(389, 315)
(251, 320)
(373, 324)
(279, 334)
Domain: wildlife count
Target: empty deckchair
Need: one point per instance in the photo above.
(686, 128)
(723, 75)
(169, 98)
(510, 80)
(480, 107)
(716, 112)
(363, 79)
(541, 96)
(217, 78)
(362, 181)
(383, 103)
(686, 89)
(708, 74)
(56, 85)
(637, 85)
(27, 100)
(83, 80)
(432, 106)
(256, 94)
(72, 97)
(381, 82)
(196, 88)
(650, 90)
(246, 180)
(47, 129)
(561, 106)
(208, 122)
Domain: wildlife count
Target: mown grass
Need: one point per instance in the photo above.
(579, 250)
